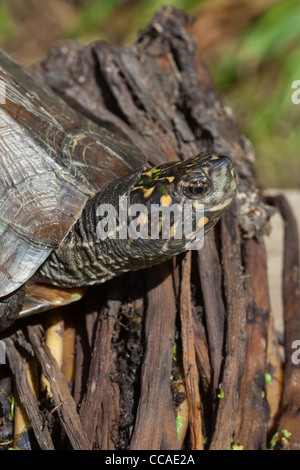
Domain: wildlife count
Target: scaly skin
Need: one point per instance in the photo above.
(83, 259)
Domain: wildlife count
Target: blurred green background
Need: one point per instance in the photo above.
(252, 49)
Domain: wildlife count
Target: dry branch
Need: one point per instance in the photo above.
(97, 411)
(159, 343)
(213, 303)
(27, 396)
(235, 332)
(190, 370)
(290, 417)
(251, 431)
(59, 390)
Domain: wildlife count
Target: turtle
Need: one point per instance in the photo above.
(63, 180)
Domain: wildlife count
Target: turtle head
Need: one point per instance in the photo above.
(206, 181)
(142, 219)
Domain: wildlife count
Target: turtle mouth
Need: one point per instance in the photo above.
(232, 190)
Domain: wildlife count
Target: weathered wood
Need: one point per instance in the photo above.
(60, 392)
(290, 417)
(159, 343)
(202, 356)
(96, 406)
(28, 397)
(275, 370)
(251, 430)
(189, 357)
(210, 274)
(235, 332)
(169, 439)
(6, 421)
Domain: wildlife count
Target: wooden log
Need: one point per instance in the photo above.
(210, 274)
(289, 421)
(252, 425)
(27, 396)
(159, 343)
(189, 357)
(97, 410)
(235, 348)
(60, 392)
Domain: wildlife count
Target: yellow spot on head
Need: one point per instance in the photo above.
(148, 173)
(170, 179)
(166, 200)
(203, 221)
(148, 192)
(205, 169)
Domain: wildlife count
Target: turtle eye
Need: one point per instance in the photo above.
(196, 189)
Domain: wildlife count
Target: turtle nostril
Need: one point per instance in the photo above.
(223, 164)
(224, 160)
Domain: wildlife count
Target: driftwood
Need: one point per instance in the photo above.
(290, 417)
(174, 356)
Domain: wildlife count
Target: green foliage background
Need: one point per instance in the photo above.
(256, 78)
(253, 69)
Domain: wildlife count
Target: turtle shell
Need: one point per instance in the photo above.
(52, 160)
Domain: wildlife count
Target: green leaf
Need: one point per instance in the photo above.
(175, 352)
(6, 23)
(273, 440)
(273, 32)
(277, 436)
(268, 378)
(12, 407)
(179, 423)
(245, 276)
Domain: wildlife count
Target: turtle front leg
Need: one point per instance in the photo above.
(10, 307)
